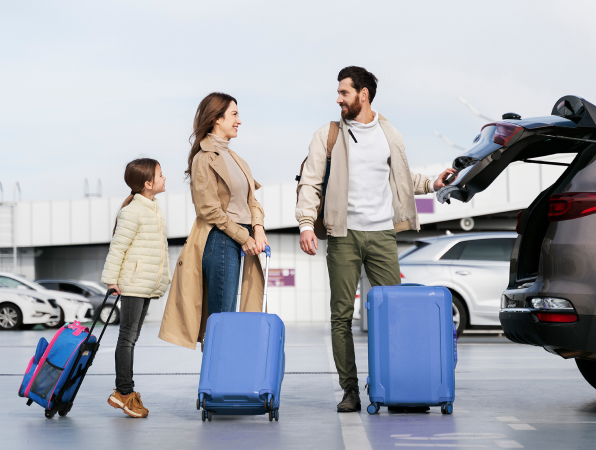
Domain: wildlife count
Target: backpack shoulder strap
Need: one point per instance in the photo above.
(332, 138)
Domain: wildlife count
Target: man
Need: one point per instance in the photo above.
(369, 198)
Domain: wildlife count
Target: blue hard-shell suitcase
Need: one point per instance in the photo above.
(243, 360)
(412, 347)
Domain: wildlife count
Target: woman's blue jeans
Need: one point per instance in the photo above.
(221, 271)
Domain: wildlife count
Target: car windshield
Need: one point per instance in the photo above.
(94, 290)
(417, 246)
(9, 282)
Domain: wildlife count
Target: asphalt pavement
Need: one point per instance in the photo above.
(507, 396)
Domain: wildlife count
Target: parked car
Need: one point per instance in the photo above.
(474, 267)
(550, 300)
(100, 288)
(20, 308)
(92, 293)
(72, 306)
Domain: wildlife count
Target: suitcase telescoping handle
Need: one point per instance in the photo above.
(98, 312)
(267, 252)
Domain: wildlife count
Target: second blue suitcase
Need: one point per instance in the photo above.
(243, 361)
(411, 347)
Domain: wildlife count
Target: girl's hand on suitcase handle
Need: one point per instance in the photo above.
(115, 288)
(250, 247)
(260, 239)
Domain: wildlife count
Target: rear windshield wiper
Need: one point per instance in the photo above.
(550, 163)
(569, 138)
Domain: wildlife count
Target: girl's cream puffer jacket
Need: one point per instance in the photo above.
(138, 259)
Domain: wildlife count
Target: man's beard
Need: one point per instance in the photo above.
(353, 110)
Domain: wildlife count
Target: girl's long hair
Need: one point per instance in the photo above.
(211, 108)
(136, 174)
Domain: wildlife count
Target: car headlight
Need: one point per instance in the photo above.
(551, 303)
(31, 299)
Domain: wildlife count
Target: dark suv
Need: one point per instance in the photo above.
(551, 297)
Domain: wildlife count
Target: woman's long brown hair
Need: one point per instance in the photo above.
(136, 174)
(211, 108)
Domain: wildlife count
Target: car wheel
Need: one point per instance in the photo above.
(55, 323)
(105, 313)
(460, 314)
(11, 317)
(588, 369)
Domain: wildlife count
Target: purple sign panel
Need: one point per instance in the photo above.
(281, 277)
(425, 205)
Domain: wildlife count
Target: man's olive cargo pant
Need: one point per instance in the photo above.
(377, 250)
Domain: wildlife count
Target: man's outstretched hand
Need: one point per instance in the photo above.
(440, 182)
(308, 242)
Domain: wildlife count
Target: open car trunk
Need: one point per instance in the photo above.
(570, 130)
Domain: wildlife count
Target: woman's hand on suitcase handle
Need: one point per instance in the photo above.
(250, 247)
(260, 238)
(115, 288)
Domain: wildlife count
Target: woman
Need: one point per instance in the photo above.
(228, 218)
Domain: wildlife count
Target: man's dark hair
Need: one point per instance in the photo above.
(361, 78)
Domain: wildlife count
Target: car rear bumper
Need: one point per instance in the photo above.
(569, 340)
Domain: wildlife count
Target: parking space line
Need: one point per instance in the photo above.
(442, 445)
(515, 423)
(352, 429)
(508, 444)
(521, 426)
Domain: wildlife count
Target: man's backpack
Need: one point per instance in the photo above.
(320, 230)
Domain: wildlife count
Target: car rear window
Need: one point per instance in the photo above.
(498, 249)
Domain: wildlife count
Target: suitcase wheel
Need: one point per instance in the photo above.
(447, 408)
(198, 404)
(270, 416)
(50, 414)
(372, 409)
(269, 403)
(62, 413)
(277, 415)
(204, 415)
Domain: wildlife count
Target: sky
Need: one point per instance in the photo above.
(86, 87)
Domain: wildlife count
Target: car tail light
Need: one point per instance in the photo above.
(551, 303)
(504, 132)
(556, 318)
(517, 229)
(401, 275)
(571, 205)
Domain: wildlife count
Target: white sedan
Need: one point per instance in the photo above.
(474, 267)
(25, 309)
(72, 306)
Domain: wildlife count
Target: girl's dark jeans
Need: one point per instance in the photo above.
(132, 315)
(221, 270)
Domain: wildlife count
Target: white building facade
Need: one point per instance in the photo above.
(69, 239)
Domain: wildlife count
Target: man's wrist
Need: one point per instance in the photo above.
(306, 227)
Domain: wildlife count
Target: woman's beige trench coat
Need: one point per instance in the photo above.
(185, 316)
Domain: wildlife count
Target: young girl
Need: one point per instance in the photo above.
(138, 268)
